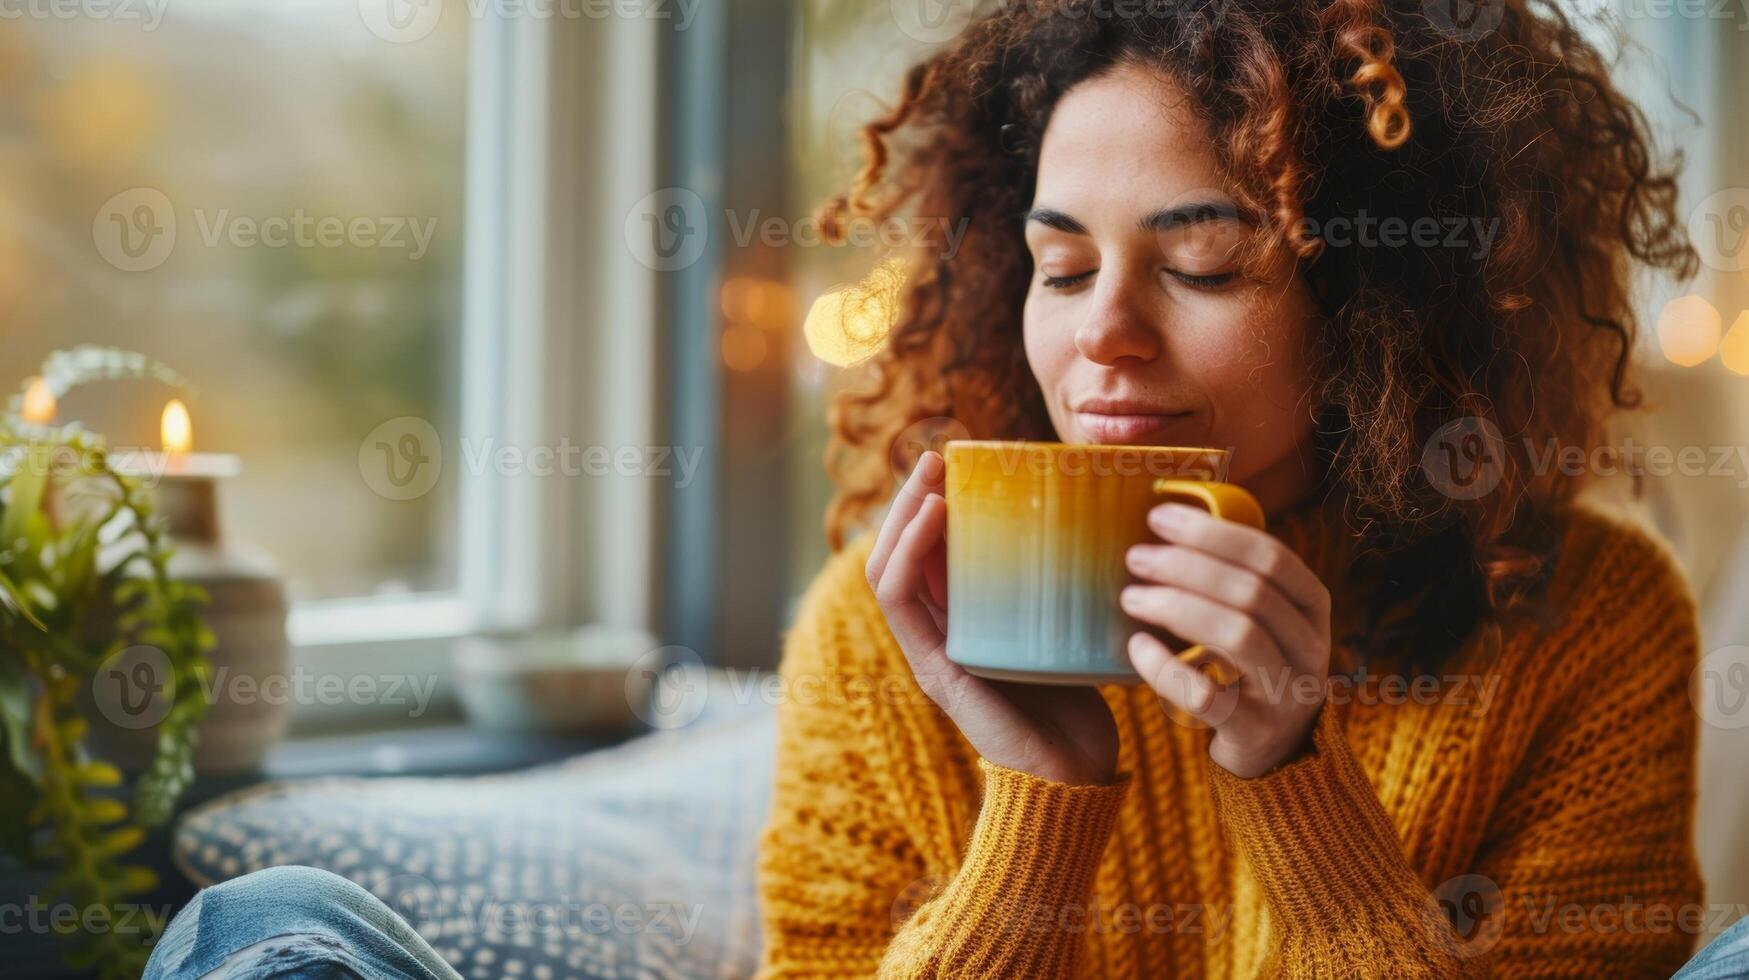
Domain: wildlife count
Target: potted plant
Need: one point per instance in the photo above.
(75, 535)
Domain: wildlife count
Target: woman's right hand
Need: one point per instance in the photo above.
(1065, 734)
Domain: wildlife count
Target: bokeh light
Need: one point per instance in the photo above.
(1688, 330)
(1734, 350)
(847, 326)
(743, 348)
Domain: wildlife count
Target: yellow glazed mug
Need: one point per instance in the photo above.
(1036, 536)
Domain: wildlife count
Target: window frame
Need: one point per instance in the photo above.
(561, 139)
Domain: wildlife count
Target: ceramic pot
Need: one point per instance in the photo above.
(248, 687)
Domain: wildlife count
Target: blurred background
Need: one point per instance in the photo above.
(566, 249)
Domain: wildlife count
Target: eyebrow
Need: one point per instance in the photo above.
(1182, 216)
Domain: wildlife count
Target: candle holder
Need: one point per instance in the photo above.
(249, 685)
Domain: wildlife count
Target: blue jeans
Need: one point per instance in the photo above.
(292, 923)
(1725, 958)
(296, 923)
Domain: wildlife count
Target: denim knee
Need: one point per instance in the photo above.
(1725, 958)
(310, 890)
(291, 921)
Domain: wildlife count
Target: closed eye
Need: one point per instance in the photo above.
(1214, 281)
(1064, 282)
(1202, 282)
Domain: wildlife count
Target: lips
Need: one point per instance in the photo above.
(1125, 420)
(1122, 428)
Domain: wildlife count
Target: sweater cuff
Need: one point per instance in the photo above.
(1020, 897)
(1040, 839)
(1318, 839)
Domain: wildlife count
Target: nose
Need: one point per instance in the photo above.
(1118, 324)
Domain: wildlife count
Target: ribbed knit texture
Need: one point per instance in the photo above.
(894, 850)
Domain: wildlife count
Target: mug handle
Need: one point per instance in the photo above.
(1228, 501)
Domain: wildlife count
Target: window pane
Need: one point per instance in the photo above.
(310, 287)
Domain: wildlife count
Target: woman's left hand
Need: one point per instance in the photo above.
(1250, 600)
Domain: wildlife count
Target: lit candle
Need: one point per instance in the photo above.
(184, 480)
(176, 437)
(175, 428)
(39, 402)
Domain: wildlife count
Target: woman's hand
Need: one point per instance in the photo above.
(1251, 601)
(1064, 734)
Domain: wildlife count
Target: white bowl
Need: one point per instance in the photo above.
(586, 680)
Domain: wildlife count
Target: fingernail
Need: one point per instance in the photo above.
(929, 465)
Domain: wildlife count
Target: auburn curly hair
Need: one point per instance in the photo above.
(1317, 111)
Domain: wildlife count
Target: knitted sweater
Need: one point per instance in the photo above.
(1529, 816)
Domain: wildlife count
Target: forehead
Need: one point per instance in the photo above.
(1126, 139)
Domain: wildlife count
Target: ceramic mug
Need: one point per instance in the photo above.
(1036, 536)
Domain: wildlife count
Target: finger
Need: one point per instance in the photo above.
(1233, 585)
(1245, 546)
(1198, 619)
(939, 615)
(935, 567)
(1182, 685)
(925, 477)
(935, 577)
(900, 589)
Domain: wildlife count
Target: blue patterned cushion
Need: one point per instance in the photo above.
(636, 861)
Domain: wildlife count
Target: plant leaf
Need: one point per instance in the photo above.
(12, 599)
(15, 716)
(27, 485)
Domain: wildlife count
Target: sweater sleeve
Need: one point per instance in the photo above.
(1017, 906)
(1588, 867)
(847, 883)
(1342, 896)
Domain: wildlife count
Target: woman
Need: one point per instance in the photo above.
(1179, 228)
(1195, 224)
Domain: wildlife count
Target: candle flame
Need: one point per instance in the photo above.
(176, 429)
(39, 402)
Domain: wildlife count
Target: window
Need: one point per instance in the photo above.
(348, 233)
(269, 198)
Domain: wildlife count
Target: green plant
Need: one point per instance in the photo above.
(74, 532)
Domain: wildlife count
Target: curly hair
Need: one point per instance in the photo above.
(1317, 113)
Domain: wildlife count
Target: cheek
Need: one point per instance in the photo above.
(1048, 352)
(1258, 376)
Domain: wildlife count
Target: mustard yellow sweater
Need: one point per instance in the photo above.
(1529, 817)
